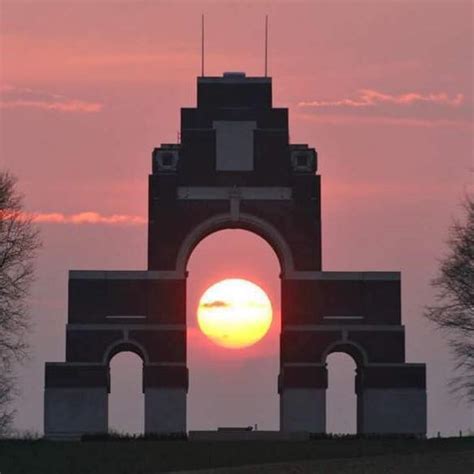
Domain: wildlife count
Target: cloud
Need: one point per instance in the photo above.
(407, 109)
(372, 98)
(215, 304)
(23, 97)
(126, 59)
(65, 106)
(86, 218)
(340, 119)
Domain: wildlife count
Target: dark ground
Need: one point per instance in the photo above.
(355, 456)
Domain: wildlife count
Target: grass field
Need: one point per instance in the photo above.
(434, 456)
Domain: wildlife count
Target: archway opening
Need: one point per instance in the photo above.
(126, 400)
(233, 387)
(341, 399)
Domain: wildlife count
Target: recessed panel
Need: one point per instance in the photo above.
(234, 145)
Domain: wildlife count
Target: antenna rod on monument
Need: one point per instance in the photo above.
(202, 45)
(266, 45)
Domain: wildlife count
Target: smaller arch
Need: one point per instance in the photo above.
(342, 390)
(125, 346)
(353, 349)
(245, 222)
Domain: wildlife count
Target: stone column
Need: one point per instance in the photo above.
(302, 390)
(165, 388)
(392, 399)
(75, 400)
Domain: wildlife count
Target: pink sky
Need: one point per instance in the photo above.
(383, 90)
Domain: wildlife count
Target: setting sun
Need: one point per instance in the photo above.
(234, 313)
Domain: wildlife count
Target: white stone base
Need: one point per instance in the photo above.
(72, 412)
(165, 410)
(392, 411)
(303, 409)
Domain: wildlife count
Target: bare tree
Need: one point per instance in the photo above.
(454, 311)
(19, 241)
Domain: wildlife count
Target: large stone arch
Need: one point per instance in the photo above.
(226, 221)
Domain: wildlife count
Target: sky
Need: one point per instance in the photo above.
(383, 90)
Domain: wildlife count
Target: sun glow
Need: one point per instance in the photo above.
(234, 313)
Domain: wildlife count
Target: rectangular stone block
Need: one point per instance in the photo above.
(162, 346)
(306, 346)
(392, 411)
(165, 410)
(67, 375)
(71, 412)
(165, 376)
(393, 376)
(334, 297)
(303, 409)
(302, 376)
(112, 297)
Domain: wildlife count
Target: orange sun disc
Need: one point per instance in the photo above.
(234, 313)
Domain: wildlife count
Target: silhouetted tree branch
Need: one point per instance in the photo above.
(19, 241)
(454, 311)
